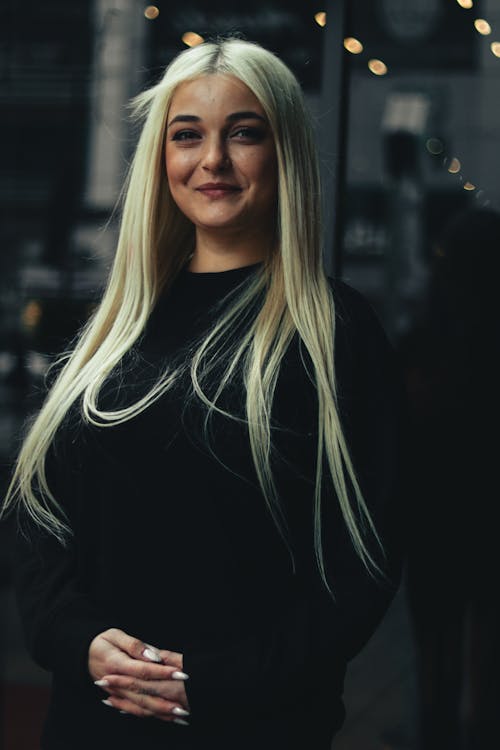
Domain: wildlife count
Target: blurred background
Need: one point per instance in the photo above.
(405, 97)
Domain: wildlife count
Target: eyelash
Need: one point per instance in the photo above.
(254, 133)
(179, 136)
(251, 133)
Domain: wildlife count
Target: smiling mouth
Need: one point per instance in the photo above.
(218, 191)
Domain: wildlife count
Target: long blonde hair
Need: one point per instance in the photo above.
(155, 242)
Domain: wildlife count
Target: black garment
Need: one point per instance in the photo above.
(178, 548)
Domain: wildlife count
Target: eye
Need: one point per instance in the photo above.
(254, 134)
(185, 135)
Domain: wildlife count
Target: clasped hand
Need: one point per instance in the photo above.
(140, 679)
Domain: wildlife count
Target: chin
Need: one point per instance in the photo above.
(219, 223)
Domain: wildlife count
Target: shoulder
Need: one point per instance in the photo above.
(356, 318)
(352, 307)
(363, 346)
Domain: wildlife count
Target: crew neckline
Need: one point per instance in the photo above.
(220, 274)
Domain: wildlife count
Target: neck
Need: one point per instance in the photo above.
(223, 251)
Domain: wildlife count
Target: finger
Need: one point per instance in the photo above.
(154, 705)
(126, 706)
(169, 690)
(171, 657)
(122, 665)
(178, 715)
(132, 646)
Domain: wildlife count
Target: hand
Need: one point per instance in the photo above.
(121, 666)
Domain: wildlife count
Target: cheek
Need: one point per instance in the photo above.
(178, 167)
(172, 170)
(263, 169)
(266, 178)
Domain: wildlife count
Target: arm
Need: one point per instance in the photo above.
(305, 649)
(59, 621)
(58, 617)
(64, 631)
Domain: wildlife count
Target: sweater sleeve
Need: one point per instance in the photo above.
(58, 617)
(303, 651)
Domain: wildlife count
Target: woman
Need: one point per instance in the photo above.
(216, 468)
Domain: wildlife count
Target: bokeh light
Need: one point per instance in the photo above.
(32, 314)
(151, 12)
(320, 18)
(353, 45)
(192, 39)
(434, 146)
(495, 48)
(465, 3)
(455, 166)
(482, 26)
(469, 186)
(377, 67)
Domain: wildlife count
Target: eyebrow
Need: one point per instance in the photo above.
(247, 115)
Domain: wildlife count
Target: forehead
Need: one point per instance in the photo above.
(211, 93)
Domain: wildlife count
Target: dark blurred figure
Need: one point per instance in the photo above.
(452, 365)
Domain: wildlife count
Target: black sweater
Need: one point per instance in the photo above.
(178, 548)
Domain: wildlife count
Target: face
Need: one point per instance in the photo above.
(220, 156)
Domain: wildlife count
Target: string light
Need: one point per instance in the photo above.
(353, 45)
(454, 166)
(495, 48)
(377, 67)
(192, 39)
(151, 12)
(465, 3)
(482, 26)
(320, 18)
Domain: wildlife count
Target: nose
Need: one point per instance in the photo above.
(215, 156)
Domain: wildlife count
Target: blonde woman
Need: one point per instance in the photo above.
(209, 493)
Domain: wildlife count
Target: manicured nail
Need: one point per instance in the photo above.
(182, 722)
(151, 655)
(180, 676)
(107, 702)
(153, 649)
(101, 683)
(180, 711)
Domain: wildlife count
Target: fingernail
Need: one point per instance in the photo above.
(123, 712)
(180, 711)
(107, 702)
(149, 654)
(101, 683)
(181, 721)
(180, 676)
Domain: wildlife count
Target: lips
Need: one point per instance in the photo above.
(218, 189)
